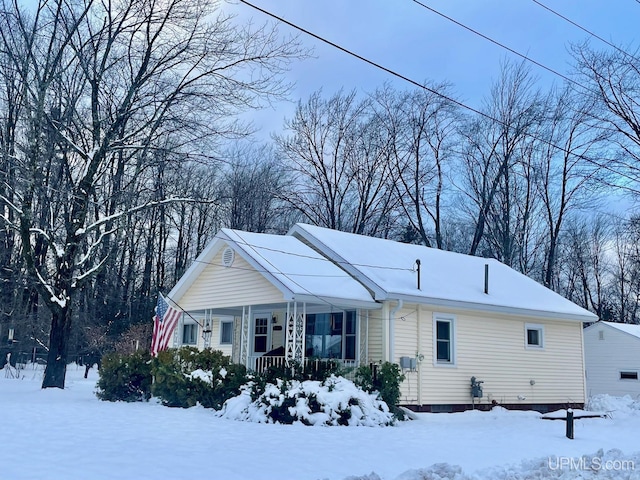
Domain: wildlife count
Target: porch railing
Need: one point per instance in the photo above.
(260, 364)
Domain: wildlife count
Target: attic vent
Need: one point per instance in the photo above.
(228, 255)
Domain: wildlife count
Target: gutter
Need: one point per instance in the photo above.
(506, 310)
(392, 325)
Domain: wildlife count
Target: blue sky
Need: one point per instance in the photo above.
(405, 37)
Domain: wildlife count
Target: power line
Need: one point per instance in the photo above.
(566, 19)
(322, 300)
(437, 93)
(501, 45)
(262, 270)
(525, 57)
(325, 259)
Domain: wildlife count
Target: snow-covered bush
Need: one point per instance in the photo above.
(334, 401)
(187, 376)
(182, 377)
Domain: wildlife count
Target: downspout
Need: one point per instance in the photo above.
(584, 365)
(392, 325)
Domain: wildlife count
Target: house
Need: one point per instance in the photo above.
(612, 358)
(444, 317)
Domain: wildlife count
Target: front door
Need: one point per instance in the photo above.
(261, 333)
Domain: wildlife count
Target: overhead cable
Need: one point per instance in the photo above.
(435, 92)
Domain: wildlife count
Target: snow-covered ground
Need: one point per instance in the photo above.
(70, 434)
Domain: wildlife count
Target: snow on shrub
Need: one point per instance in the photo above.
(334, 401)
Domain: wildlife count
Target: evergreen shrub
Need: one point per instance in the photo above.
(386, 382)
(315, 370)
(125, 377)
(187, 376)
(178, 377)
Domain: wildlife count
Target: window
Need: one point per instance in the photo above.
(444, 340)
(628, 375)
(226, 332)
(350, 336)
(331, 335)
(534, 335)
(189, 334)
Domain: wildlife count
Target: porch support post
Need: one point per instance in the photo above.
(245, 334)
(294, 334)
(301, 316)
(290, 328)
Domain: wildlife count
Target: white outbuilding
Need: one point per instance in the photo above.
(612, 358)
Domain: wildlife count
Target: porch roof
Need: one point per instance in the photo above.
(298, 271)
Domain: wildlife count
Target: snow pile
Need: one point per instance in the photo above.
(612, 465)
(626, 406)
(335, 401)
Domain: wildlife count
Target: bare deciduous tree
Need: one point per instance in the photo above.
(422, 129)
(103, 86)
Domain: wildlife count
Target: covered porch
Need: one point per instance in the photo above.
(293, 333)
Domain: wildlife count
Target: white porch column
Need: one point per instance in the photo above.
(245, 336)
(294, 334)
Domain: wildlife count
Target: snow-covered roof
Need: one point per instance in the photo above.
(294, 268)
(623, 327)
(388, 269)
(299, 268)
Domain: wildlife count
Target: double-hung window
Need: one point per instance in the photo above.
(444, 348)
(190, 334)
(226, 332)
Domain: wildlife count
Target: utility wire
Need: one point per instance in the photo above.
(585, 29)
(437, 93)
(263, 270)
(501, 45)
(277, 270)
(252, 246)
(527, 58)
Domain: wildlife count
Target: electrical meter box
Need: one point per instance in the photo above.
(408, 363)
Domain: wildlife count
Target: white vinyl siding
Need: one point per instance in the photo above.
(231, 286)
(376, 336)
(407, 343)
(607, 358)
(492, 350)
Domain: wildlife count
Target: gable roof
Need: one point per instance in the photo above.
(297, 270)
(387, 268)
(622, 327)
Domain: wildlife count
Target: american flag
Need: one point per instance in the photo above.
(164, 323)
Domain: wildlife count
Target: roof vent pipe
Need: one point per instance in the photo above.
(418, 269)
(486, 278)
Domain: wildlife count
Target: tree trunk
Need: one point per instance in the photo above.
(56, 369)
